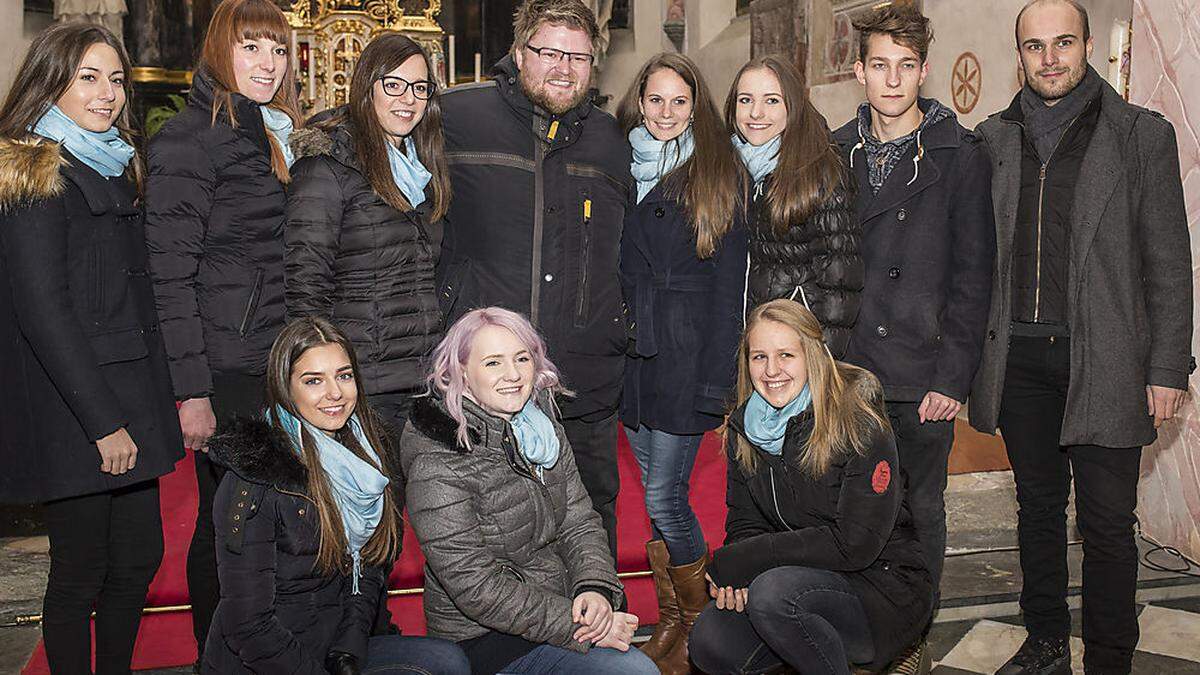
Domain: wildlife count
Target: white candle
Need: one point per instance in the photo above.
(453, 75)
(478, 67)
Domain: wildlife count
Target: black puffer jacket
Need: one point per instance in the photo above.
(854, 519)
(214, 227)
(815, 262)
(278, 613)
(535, 226)
(355, 259)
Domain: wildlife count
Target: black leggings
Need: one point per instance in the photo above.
(104, 551)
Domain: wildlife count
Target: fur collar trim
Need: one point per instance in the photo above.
(430, 417)
(311, 142)
(259, 454)
(29, 172)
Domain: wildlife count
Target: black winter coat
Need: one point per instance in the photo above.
(214, 220)
(854, 520)
(927, 248)
(535, 226)
(353, 258)
(82, 352)
(278, 613)
(816, 262)
(687, 315)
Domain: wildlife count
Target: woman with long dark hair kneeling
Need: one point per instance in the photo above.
(821, 567)
(307, 527)
(517, 564)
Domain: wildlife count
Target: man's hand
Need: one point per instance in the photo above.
(197, 421)
(1162, 403)
(118, 452)
(937, 407)
(594, 614)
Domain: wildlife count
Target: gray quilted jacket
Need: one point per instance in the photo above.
(504, 550)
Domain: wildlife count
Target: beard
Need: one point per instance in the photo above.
(1052, 91)
(539, 92)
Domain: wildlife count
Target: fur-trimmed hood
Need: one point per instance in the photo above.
(252, 449)
(29, 171)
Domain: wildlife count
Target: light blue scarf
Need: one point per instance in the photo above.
(280, 125)
(357, 486)
(535, 437)
(104, 151)
(760, 159)
(653, 159)
(410, 174)
(766, 425)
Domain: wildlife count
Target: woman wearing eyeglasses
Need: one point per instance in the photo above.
(369, 189)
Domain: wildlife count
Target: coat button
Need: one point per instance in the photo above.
(301, 511)
(881, 331)
(991, 335)
(549, 278)
(901, 214)
(659, 212)
(894, 273)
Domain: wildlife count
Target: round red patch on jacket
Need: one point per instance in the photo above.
(881, 478)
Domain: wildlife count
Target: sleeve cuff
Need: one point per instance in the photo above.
(1167, 377)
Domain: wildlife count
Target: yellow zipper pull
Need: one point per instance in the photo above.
(553, 130)
(587, 209)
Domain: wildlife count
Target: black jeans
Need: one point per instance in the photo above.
(233, 396)
(1031, 415)
(809, 619)
(104, 551)
(594, 444)
(924, 452)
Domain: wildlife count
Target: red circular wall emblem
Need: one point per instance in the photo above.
(881, 478)
(966, 82)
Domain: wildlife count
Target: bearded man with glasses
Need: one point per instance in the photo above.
(540, 179)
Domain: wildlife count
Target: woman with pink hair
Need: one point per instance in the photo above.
(518, 570)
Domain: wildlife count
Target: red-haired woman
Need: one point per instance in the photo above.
(214, 224)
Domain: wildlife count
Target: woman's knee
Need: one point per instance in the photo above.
(709, 642)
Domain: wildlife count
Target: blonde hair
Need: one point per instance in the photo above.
(530, 16)
(847, 401)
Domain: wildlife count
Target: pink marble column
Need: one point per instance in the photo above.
(1165, 70)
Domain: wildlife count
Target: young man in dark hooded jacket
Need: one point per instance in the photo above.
(924, 200)
(541, 180)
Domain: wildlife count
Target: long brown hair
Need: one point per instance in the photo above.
(383, 55)
(232, 22)
(50, 67)
(809, 169)
(847, 401)
(298, 337)
(712, 181)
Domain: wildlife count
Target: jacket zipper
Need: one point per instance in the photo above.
(584, 256)
(539, 205)
(775, 500)
(255, 291)
(1037, 274)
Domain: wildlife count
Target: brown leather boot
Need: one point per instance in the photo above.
(666, 633)
(691, 595)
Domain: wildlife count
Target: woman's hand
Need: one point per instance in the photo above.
(727, 597)
(619, 636)
(118, 452)
(594, 613)
(197, 421)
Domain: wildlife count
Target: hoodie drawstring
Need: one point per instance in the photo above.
(917, 159)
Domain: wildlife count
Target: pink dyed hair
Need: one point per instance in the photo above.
(449, 373)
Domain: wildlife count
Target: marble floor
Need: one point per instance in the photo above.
(977, 629)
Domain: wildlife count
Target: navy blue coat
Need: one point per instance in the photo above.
(687, 318)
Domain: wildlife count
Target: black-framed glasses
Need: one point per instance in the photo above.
(553, 57)
(396, 86)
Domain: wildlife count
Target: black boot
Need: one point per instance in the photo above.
(1040, 656)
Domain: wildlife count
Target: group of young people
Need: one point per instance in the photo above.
(450, 301)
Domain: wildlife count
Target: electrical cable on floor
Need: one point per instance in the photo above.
(1184, 567)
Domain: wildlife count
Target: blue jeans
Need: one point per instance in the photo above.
(597, 661)
(666, 461)
(806, 618)
(418, 655)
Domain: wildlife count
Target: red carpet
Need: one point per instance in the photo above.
(165, 638)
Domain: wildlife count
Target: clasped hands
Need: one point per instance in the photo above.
(599, 624)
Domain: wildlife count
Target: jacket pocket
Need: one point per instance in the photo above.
(95, 266)
(585, 258)
(513, 572)
(118, 347)
(452, 288)
(251, 304)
